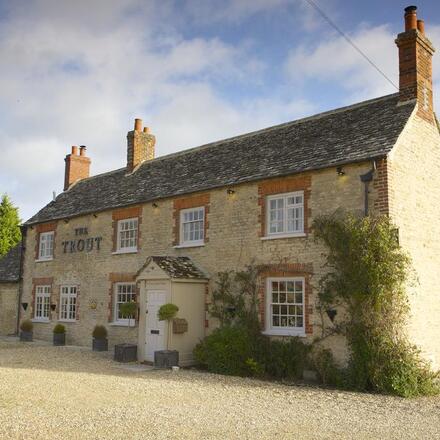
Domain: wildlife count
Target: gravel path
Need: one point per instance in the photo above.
(65, 393)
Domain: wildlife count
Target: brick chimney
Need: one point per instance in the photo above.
(140, 145)
(415, 64)
(77, 166)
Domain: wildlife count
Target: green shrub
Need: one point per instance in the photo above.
(285, 359)
(26, 326)
(128, 310)
(167, 312)
(322, 361)
(99, 332)
(368, 277)
(228, 350)
(59, 329)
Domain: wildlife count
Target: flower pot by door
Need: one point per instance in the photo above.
(125, 352)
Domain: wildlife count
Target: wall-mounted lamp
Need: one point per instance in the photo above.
(230, 191)
(53, 307)
(95, 215)
(340, 171)
(24, 305)
(331, 313)
(155, 205)
(66, 221)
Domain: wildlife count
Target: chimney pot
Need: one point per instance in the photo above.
(77, 167)
(410, 18)
(82, 150)
(138, 124)
(421, 26)
(74, 150)
(147, 130)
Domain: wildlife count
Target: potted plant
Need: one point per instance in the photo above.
(100, 341)
(59, 335)
(167, 358)
(127, 352)
(26, 333)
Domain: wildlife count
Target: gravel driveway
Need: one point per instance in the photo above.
(68, 393)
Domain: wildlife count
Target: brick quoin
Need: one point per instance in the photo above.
(199, 200)
(381, 186)
(304, 270)
(280, 186)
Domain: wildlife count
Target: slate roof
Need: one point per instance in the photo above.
(10, 265)
(360, 132)
(178, 267)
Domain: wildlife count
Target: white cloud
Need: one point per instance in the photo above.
(334, 61)
(78, 73)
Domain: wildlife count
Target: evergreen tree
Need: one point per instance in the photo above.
(10, 234)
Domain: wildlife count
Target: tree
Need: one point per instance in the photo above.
(10, 234)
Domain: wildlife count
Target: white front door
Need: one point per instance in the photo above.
(156, 331)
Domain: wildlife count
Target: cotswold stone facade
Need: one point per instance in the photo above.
(161, 229)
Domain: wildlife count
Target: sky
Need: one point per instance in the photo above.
(77, 72)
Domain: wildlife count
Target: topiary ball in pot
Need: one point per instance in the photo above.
(26, 331)
(59, 335)
(100, 341)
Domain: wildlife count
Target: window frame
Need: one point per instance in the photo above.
(41, 237)
(278, 330)
(44, 295)
(191, 243)
(119, 249)
(69, 297)
(284, 233)
(120, 321)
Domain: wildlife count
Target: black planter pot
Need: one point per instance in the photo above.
(125, 352)
(166, 358)
(26, 336)
(100, 344)
(59, 339)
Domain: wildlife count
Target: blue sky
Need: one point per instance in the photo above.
(79, 72)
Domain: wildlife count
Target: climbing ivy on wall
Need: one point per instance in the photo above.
(365, 283)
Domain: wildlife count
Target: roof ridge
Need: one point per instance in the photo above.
(272, 127)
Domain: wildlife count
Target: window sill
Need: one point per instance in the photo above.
(43, 321)
(121, 324)
(275, 237)
(128, 251)
(67, 320)
(189, 245)
(274, 332)
(42, 260)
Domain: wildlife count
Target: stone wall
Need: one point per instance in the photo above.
(414, 185)
(8, 308)
(233, 241)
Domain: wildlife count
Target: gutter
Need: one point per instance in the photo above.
(20, 276)
(366, 179)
